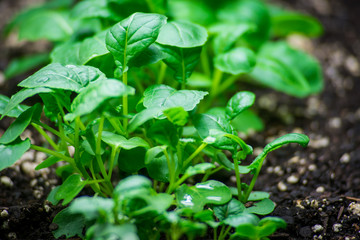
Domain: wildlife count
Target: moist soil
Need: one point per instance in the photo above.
(316, 190)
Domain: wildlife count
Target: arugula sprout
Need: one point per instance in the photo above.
(133, 93)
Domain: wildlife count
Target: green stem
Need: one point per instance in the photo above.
(53, 131)
(62, 133)
(221, 234)
(97, 186)
(216, 82)
(114, 154)
(252, 183)
(227, 83)
(44, 134)
(206, 176)
(56, 154)
(205, 61)
(171, 171)
(161, 74)
(116, 125)
(77, 140)
(125, 102)
(98, 149)
(194, 154)
(238, 180)
(138, 83)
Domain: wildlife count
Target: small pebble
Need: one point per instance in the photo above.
(270, 170)
(354, 208)
(37, 194)
(294, 159)
(12, 235)
(345, 158)
(282, 186)
(317, 228)
(320, 189)
(314, 204)
(2, 79)
(33, 182)
(233, 179)
(292, 179)
(6, 181)
(337, 227)
(278, 171)
(335, 122)
(312, 167)
(352, 65)
(5, 225)
(4, 213)
(320, 143)
(47, 208)
(29, 169)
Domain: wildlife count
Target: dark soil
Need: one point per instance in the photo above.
(317, 189)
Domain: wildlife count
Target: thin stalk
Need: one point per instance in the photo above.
(77, 140)
(44, 134)
(116, 125)
(194, 154)
(113, 158)
(62, 134)
(215, 233)
(238, 180)
(56, 154)
(98, 149)
(53, 131)
(208, 174)
(94, 178)
(161, 74)
(227, 83)
(125, 102)
(205, 61)
(221, 234)
(252, 183)
(216, 82)
(171, 171)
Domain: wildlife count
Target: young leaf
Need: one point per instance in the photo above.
(96, 94)
(48, 162)
(181, 60)
(80, 53)
(263, 207)
(157, 165)
(232, 208)
(301, 139)
(150, 55)
(133, 35)
(93, 208)
(247, 121)
(237, 61)
(132, 160)
(93, 9)
(70, 77)
(10, 153)
(164, 132)
(182, 34)
(242, 218)
(268, 225)
(239, 103)
(21, 123)
(196, 197)
(119, 141)
(132, 186)
(177, 115)
(126, 231)
(70, 188)
(19, 97)
(200, 168)
(15, 112)
(257, 196)
(69, 224)
(142, 117)
(162, 96)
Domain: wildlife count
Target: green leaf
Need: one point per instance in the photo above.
(92, 9)
(10, 153)
(95, 94)
(301, 139)
(125, 231)
(70, 188)
(132, 160)
(177, 115)
(196, 197)
(21, 123)
(198, 80)
(25, 64)
(142, 117)
(19, 97)
(150, 55)
(232, 208)
(181, 60)
(69, 224)
(119, 141)
(237, 61)
(192, 229)
(15, 112)
(70, 77)
(295, 73)
(48, 162)
(51, 197)
(133, 35)
(257, 196)
(263, 207)
(157, 165)
(132, 186)
(207, 124)
(93, 208)
(200, 168)
(247, 121)
(80, 53)
(252, 12)
(268, 225)
(242, 218)
(53, 100)
(164, 97)
(286, 22)
(164, 132)
(239, 103)
(182, 34)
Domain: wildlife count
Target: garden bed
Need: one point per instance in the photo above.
(316, 190)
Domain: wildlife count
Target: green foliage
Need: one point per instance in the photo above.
(161, 142)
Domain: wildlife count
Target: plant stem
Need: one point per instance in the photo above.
(238, 180)
(161, 74)
(252, 183)
(116, 125)
(194, 154)
(215, 82)
(98, 149)
(44, 134)
(227, 83)
(205, 61)
(53, 131)
(125, 102)
(56, 154)
(206, 176)
(171, 171)
(113, 157)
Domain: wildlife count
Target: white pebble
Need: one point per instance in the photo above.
(335, 122)
(337, 227)
(47, 208)
(292, 179)
(4, 213)
(282, 186)
(278, 171)
(320, 189)
(6, 181)
(354, 208)
(33, 183)
(312, 167)
(317, 228)
(345, 158)
(29, 169)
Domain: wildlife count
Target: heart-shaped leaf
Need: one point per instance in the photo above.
(131, 36)
(196, 197)
(232, 208)
(68, 77)
(241, 219)
(71, 228)
(263, 207)
(237, 61)
(10, 153)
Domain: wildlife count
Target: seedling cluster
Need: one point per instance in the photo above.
(131, 87)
